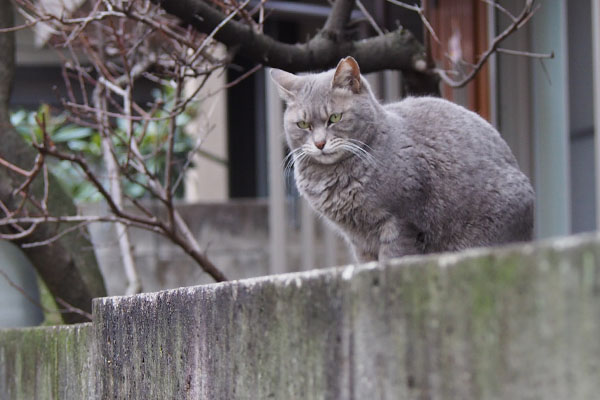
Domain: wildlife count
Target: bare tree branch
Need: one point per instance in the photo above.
(22, 234)
(71, 275)
(83, 219)
(111, 164)
(395, 50)
(31, 175)
(13, 167)
(337, 19)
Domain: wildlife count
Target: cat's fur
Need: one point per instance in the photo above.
(418, 176)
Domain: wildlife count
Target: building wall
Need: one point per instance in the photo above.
(234, 235)
(207, 179)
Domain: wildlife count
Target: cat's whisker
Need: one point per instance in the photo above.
(301, 157)
(287, 168)
(298, 159)
(290, 161)
(362, 156)
(359, 152)
(360, 146)
(363, 145)
(342, 144)
(292, 158)
(286, 159)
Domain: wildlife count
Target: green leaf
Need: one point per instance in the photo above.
(87, 141)
(78, 145)
(88, 193)
(19, 117)
(71, 133)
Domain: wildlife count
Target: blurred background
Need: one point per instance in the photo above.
(239, 201)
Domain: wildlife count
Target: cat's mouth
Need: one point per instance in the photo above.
(327, 156)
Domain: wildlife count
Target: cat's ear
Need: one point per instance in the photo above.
(286, 83)
(347, 75)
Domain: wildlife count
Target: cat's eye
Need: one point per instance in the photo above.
(335, 117)
(303, 125)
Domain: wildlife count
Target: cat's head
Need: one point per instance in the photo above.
(328, 115)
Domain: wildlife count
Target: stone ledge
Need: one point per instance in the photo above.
(519, 322)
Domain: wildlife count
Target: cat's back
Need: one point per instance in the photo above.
(426, 110)
(471, 174)
(449, 130)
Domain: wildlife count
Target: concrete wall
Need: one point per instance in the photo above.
(516, 323)
(48, 363)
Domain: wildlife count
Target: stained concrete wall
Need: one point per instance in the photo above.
(48, 363)
(515, 323)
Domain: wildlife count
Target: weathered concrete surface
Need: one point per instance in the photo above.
(514, 323)
(47, 363)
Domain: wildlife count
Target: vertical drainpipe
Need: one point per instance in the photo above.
(550, 116)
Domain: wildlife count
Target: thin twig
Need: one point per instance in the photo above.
(500, 8)
(424, 20)
(20, 235)
(525, 53)
(217, 29)
(168, 182)
(150, 225)
(24, 26)
(13, 167)
(370, 18)
(189, 159)
(261, 15)
(31, 175)
(238, 79)
(68, 308)
(44, 202)
(54, 238)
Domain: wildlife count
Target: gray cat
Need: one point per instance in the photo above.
(419, 176)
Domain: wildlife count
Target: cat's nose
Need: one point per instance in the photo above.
(320, 144)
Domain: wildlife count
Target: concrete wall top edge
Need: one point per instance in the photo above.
(56, 328)
(444, 260)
